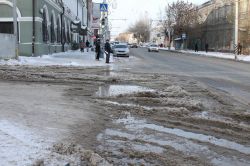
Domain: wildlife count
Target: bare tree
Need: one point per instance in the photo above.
(123, 37)
(181, 16)
(141, 29)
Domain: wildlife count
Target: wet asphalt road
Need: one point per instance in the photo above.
(226, 75)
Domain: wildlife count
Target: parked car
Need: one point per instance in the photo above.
(112, 45)
(153, 47)
(121, 50)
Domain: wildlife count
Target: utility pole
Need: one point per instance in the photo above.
(236, 28)
(15, 28)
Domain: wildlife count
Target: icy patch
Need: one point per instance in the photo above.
(136, 130)
(128, 105)
(19, 146)
(180, 144)
(115, 90)
(131, 123)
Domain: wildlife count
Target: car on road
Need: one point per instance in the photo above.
(121, 50)
(134, 45)
(153, 47)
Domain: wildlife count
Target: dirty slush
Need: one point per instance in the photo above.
(94, 116)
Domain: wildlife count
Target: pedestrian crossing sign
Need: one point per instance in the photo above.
(104, 7)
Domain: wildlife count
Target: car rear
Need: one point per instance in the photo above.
(121, 50)
(153, 47)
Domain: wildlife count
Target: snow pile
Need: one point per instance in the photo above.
(212, 54)
(219, 55)
(21, 146)
(70, 58)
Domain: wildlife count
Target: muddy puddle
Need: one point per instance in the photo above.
(115, 90)
(141, 137)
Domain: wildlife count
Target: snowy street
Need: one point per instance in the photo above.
(148, 109)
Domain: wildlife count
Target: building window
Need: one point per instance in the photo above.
(58, 30)
(52, 30)
(6, 27)
(45, 27)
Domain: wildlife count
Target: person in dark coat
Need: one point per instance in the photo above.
(107, 50)
(206, 47)
(196, 47)
(98, 49)
(239, 48)
(87, 45)
(82, 46)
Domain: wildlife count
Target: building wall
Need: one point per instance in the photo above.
(216, 26)
(53, 11)
(244, 25)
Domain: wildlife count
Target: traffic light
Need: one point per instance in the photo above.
(103, 22)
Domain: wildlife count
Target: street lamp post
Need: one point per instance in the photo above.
(15, 28)
(236, 27)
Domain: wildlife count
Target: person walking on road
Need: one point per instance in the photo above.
(206, 47)
(98, 49)
(87, 45)
(107, 50)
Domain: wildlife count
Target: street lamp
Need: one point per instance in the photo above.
(236, 28)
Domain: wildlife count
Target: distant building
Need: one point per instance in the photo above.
(96, 20)
(158, 36)
(217, 26)
(127, 37)
(244, 25)
(57, 23)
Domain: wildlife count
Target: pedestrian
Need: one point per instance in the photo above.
(206, 47)
(82, 46)
(196, 47)
(98, 49)
(239, 48)
(107, 50)
(87, 45)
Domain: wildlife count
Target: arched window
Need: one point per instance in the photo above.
(58, 30)
(45, 26)
(52, 30)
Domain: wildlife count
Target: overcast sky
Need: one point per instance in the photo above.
(132, 10)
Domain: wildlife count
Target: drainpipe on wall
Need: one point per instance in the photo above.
(15, 28)
(62, 30)
(33, 27)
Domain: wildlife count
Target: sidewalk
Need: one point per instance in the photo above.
(212, 54)
(69, 58)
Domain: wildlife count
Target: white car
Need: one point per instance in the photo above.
(153, 47)
(121, 50)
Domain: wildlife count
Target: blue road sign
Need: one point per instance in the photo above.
(104, 7)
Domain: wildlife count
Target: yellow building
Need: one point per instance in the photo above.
(244, 25)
